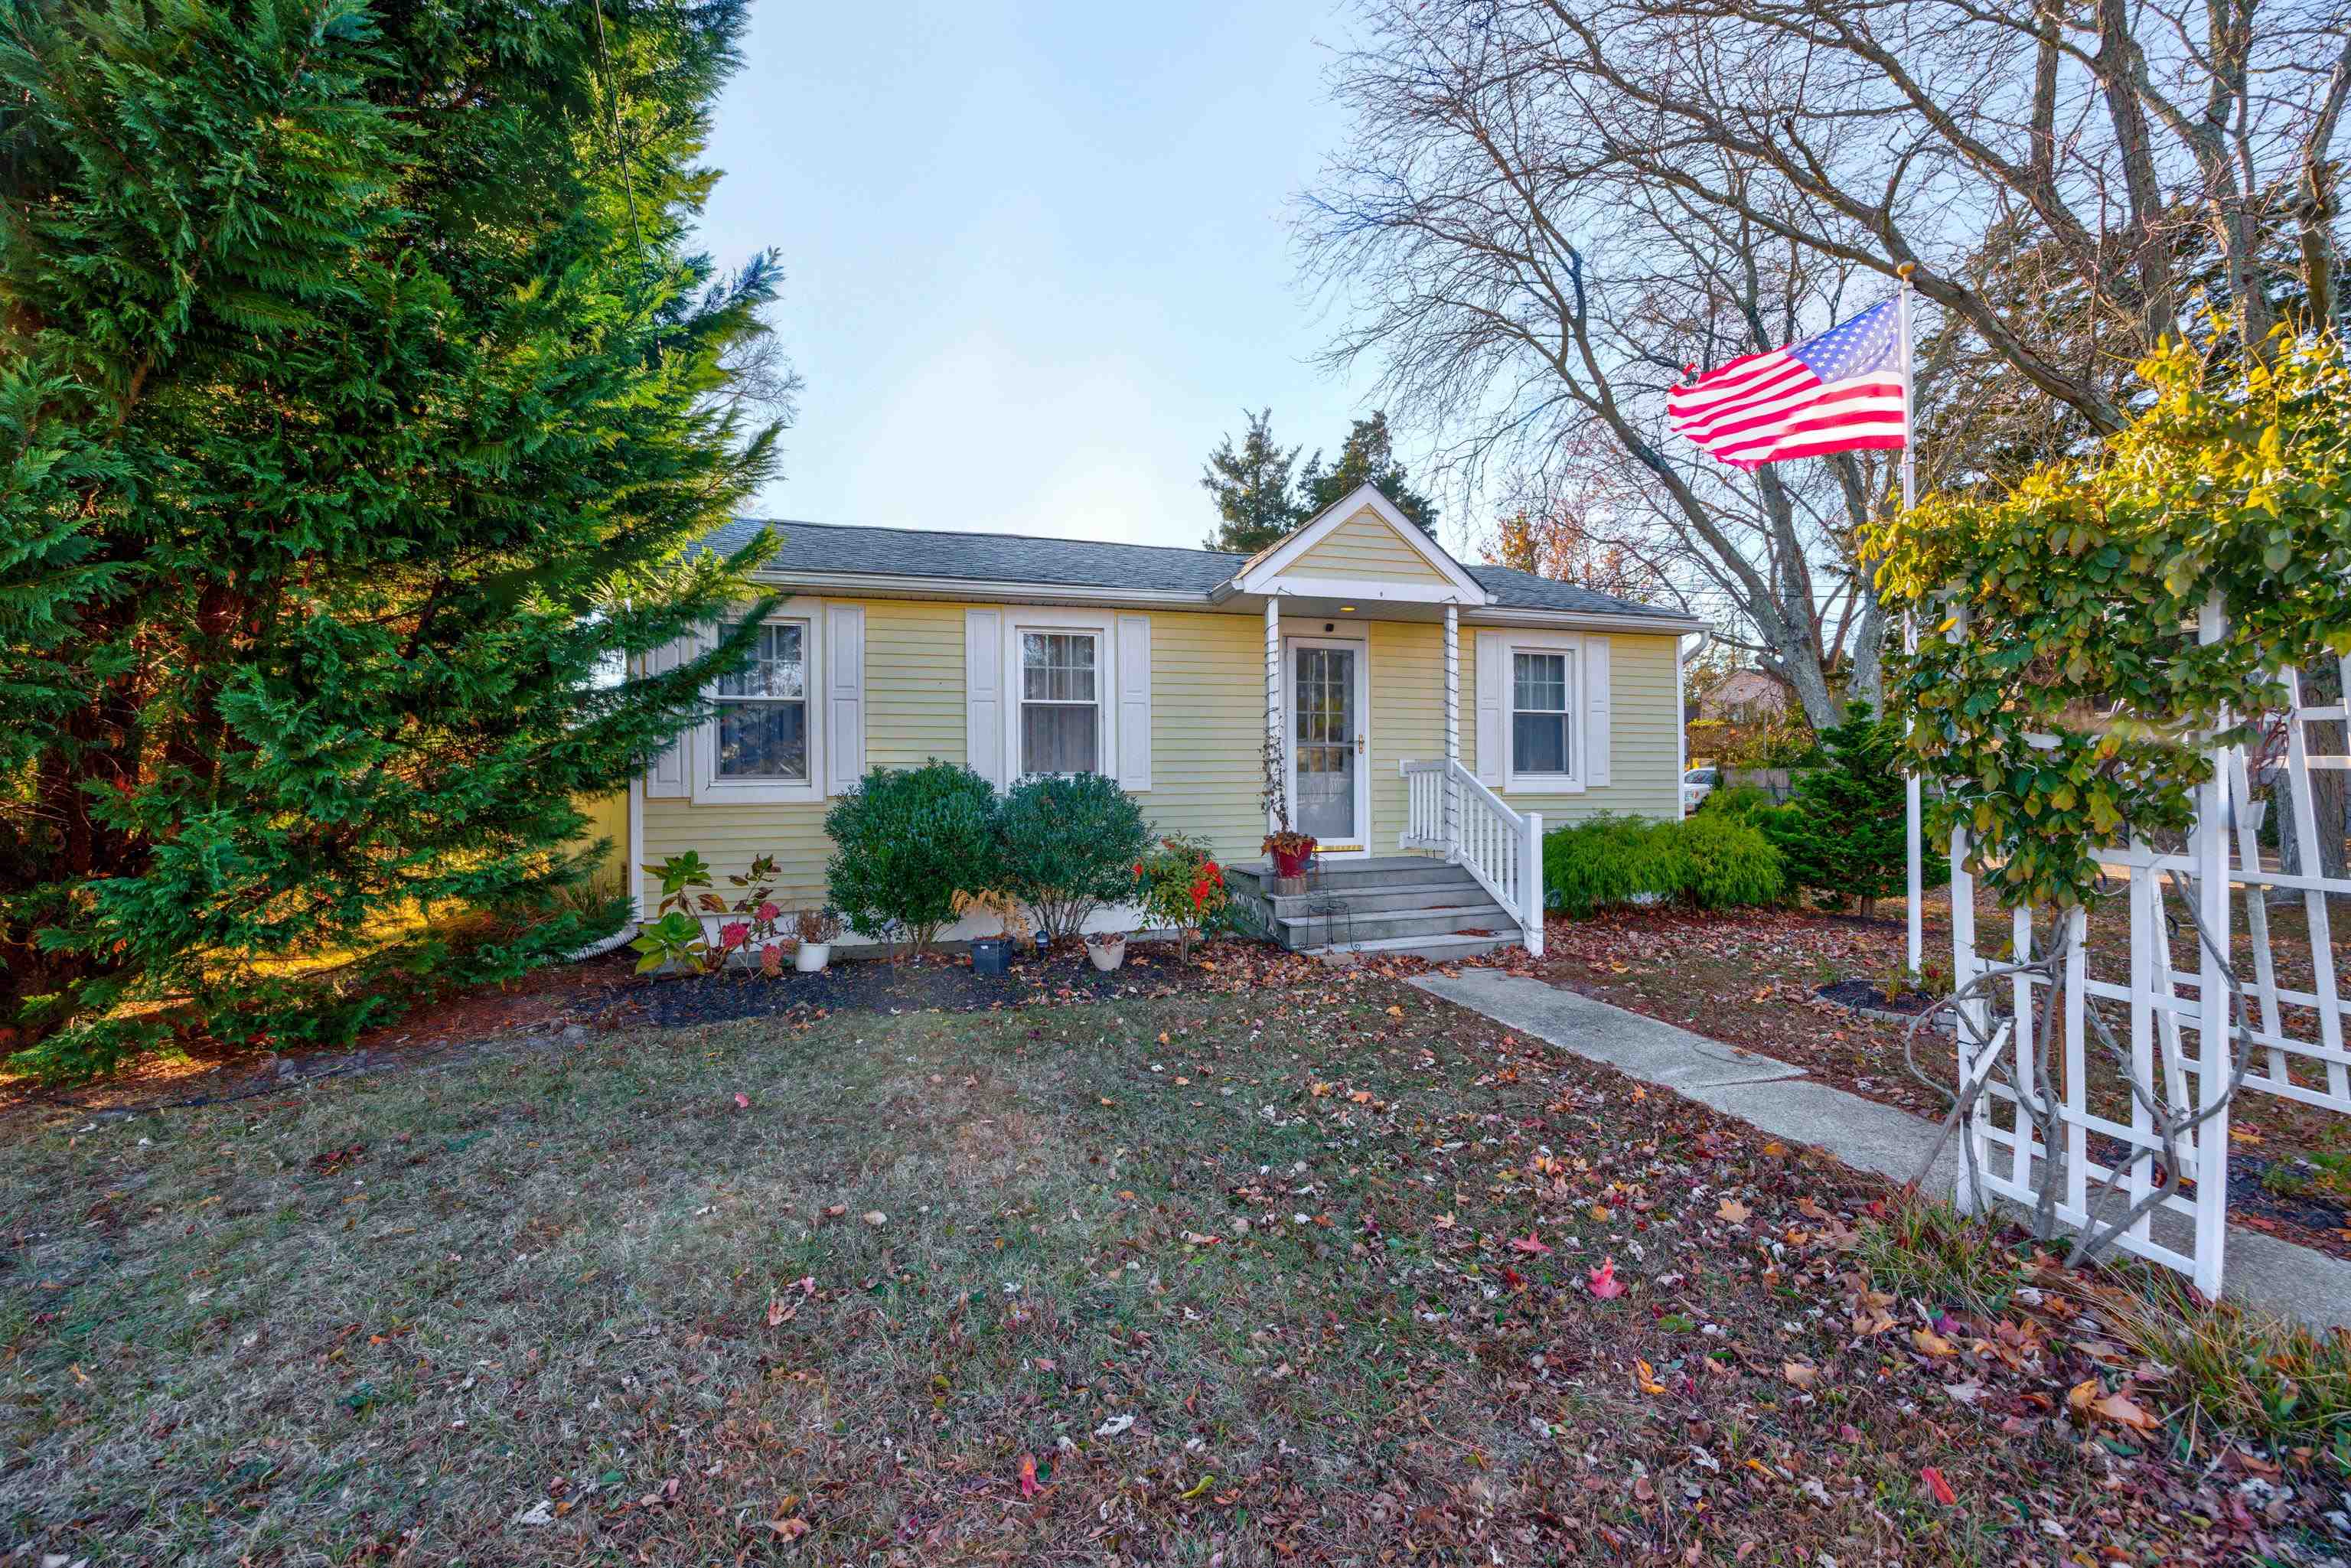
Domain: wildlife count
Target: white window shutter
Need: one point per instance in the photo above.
(844, 696)
(1595, 711)
(1135, 702)
(665, 779)
(1493, 686)
(983, 689)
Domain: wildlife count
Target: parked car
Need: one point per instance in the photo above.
(1697, 785)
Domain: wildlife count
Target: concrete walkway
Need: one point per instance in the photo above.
(1786, 1102)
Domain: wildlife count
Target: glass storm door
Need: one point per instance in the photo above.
(1326, 736)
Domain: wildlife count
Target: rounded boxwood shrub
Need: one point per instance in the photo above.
(904, 841)
(1071, 844)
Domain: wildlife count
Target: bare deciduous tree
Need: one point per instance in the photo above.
(1537, 306)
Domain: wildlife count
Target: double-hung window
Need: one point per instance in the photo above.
(763, 709)
(1061, 701)
(1541, 733)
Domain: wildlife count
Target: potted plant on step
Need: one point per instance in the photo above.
(992, 955)
(1289, 850)
(817, 929)
(1107, 949)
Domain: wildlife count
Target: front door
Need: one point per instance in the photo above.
(1330, 794)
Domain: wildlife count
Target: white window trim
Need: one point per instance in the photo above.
(1102, 623)
(1568, 783)
(710, 788)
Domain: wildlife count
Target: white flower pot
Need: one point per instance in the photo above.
(813, 957)
(1107, 956)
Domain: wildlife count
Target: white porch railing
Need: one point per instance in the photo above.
(1501, 848)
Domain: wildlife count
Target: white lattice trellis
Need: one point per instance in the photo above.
(2181, 1042)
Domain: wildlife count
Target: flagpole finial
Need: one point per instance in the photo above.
(1905, 270)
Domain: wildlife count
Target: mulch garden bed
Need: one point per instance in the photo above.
(942, 984)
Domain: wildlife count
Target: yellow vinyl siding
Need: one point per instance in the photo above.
(1364, 546)
(1407, 669)
(1207, 721)
(914, 683)
(1208, 726)
(1642, 742)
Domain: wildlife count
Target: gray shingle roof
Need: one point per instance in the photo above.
(829, 548)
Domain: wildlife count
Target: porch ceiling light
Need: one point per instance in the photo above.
(1346, 609)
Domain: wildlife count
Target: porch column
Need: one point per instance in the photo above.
(1274, 701)
(1452, 727)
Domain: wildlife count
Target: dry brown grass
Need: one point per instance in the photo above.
(552, 1309)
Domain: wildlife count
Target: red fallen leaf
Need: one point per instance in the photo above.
(1512, 1277)
(1604, 1281)
(1530, 1242)
(742, 1102)
(1028, 1487)
(1939, 1486)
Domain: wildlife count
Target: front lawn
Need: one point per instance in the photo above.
(1301, 1273)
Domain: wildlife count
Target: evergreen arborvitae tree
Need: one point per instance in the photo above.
(1844, 832)
(360, 402)
(1251, 488)
(1367, 458)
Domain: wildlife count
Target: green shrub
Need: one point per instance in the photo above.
(1843, 835)
(1180, 885)
(1714, 862)
(904, 841)
(1606, 859)
(1739, 801)
(1727, 862)
(1070, 845)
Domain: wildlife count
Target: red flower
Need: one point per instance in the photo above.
(769, 912)
(733, 934)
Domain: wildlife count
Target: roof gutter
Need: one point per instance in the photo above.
(889, 585)
(1582, 620)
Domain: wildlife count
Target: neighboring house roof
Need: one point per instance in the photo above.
(830, 549)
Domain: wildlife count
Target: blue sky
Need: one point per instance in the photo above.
(1038, 255)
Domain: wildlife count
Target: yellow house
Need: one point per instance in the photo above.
(1429, 716)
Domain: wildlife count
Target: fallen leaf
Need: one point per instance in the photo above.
(1113, 1426)
(742, 1102)
(1939, 1486)
(1602, 1280)
(1028, 1487)
(2123, 1410)
(1530, 1242)
(1731, 1210)
(1933, 1343)
(875, 1217)
(1395, 1012)
(1799, 1375)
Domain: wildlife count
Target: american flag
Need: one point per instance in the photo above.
(1840, 392)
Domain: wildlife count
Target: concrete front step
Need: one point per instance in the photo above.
(1435, 920)
(1383, 905)
(1385, 871)
(1435, 949)
(1381, 898)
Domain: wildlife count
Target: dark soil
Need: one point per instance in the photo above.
(1867, 994)
(920, 985)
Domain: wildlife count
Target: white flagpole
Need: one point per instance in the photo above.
(1914, 845)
